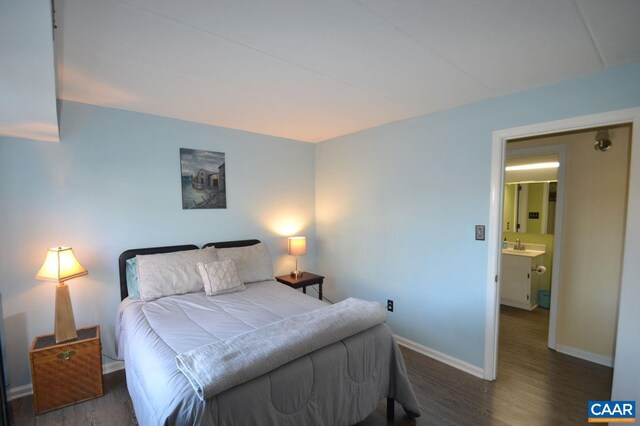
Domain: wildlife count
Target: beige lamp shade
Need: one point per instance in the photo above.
(60, 265)
(297, 246)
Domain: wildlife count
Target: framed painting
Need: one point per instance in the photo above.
(203, 179)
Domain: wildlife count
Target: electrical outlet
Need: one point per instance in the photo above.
(389, 305)
(480, 232)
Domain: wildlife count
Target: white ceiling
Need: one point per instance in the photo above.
(314, 70)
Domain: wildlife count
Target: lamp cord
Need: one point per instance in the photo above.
(111, 358)
(323, 298)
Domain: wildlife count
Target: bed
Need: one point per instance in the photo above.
(338, 384)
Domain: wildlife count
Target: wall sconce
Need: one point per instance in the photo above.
(603, 141)
(59, 266)
(297, 247)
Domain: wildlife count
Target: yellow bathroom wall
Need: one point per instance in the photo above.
(535, 205)
(592, 241)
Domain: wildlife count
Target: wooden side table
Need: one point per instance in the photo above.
(305, 279)
(68, 372)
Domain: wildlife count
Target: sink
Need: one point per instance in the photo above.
(526, 253)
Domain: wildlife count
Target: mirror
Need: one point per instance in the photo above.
(530, 192)
(530, 207)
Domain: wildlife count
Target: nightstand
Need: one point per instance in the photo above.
(303, 281)
(68, 372)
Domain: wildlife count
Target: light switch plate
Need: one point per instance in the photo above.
(480, 232)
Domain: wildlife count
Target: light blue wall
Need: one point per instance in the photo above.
(27, 75)
(113, 183)
(396, 207)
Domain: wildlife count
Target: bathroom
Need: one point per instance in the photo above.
(529, 212)
(569, 213)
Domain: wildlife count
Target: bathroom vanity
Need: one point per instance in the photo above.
(519, 283)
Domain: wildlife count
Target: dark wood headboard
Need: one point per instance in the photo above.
(228, 244)
(128, 254)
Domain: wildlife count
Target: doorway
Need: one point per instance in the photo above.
(497, 192)
(530, 229)
(584, 261)
(531, 233)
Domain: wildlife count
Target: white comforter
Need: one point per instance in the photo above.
(339, 384)
(218, 366)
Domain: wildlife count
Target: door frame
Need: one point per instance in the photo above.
(632, 226)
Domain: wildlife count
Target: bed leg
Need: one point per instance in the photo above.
(390, 409)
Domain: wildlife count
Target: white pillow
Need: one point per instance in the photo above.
(253, 262)
(220, 277)
(166, 274)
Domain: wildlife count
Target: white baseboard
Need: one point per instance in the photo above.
(112, 366)
(607, 361)
(20, 391)
(439, 356)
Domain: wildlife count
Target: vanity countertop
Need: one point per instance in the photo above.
(526, 253)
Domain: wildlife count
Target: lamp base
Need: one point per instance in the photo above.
(296, 274)
(65, 325)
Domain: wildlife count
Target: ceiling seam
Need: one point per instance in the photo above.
(590, 32)
(102, 56)
(254, 49)
(429, 49)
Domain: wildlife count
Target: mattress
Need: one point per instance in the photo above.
(338, 384)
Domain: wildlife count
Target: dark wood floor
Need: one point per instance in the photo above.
(535, 386)
(114, 408)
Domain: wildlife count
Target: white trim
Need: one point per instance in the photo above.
(588, 356)
(523, 208)
(112, 366)
(556, 264)
(439, 356)
(626, 374)
(25, 390)
(630, 115)
(519, 305)
(496, 201)
(545, 209)
(514, 213)
(19, 392)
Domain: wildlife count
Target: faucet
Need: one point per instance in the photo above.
(519, 246)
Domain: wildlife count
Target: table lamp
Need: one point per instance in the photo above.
(59, 266)
(297, 247)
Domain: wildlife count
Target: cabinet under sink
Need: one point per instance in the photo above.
(519, 284)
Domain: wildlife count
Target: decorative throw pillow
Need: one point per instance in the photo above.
(166, 274)
(220, 277)
(253, 262)
(132, 278)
